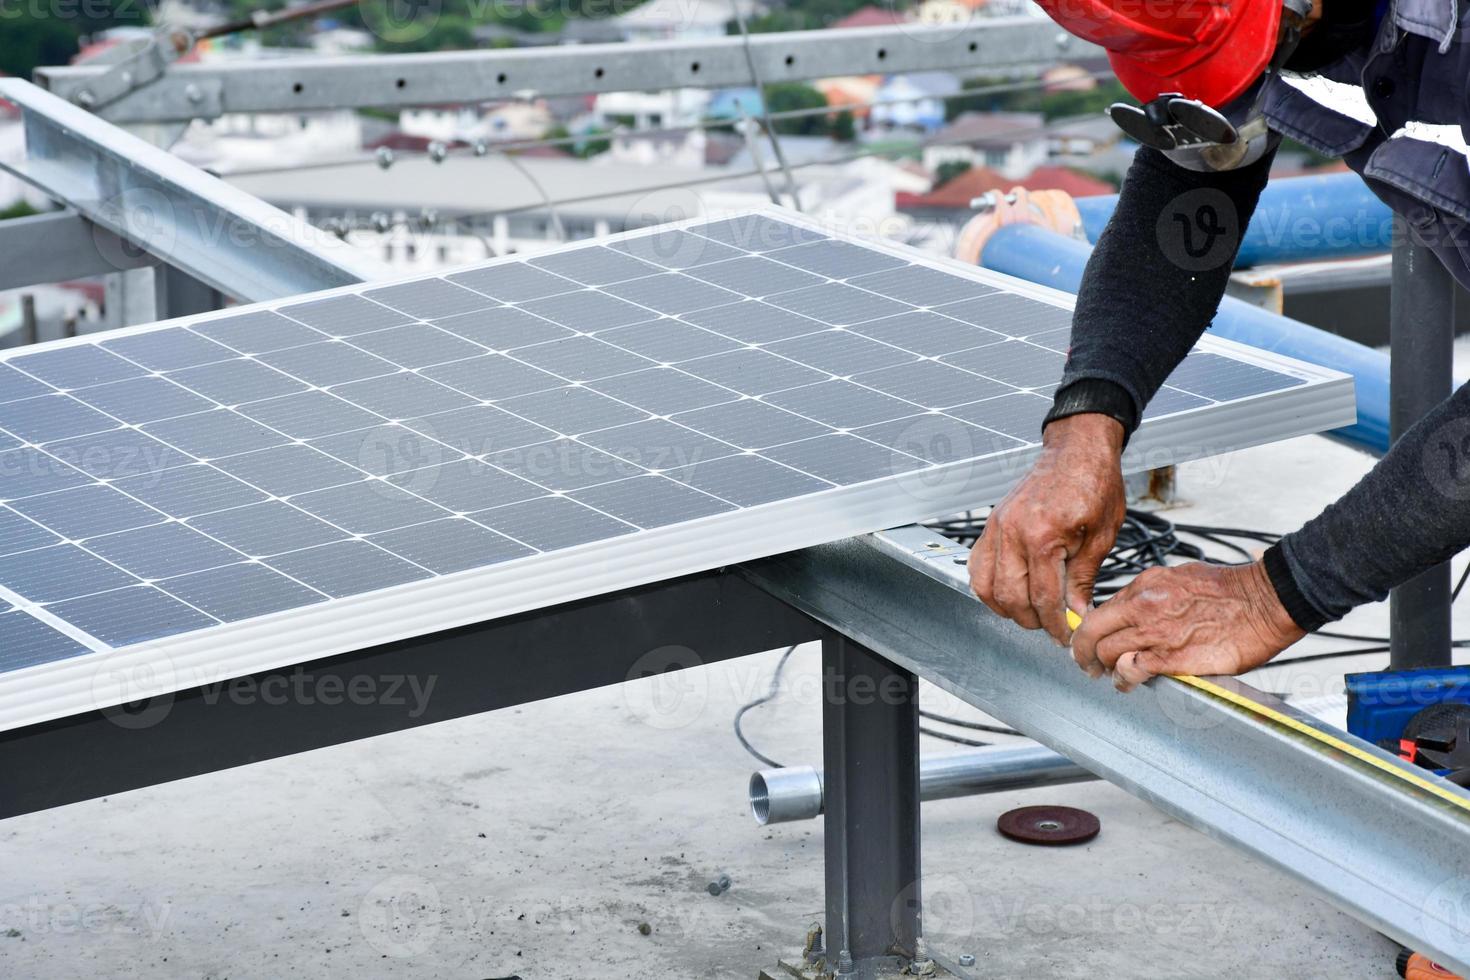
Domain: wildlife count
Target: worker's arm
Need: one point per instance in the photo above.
(1150, 288)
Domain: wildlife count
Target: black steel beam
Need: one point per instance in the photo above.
(687, 622)
(870, 723)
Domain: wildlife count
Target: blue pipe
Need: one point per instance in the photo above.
(1038, 255)
(1298, 219)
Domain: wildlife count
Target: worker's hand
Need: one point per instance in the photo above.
(1044, 542)
(1187, 619)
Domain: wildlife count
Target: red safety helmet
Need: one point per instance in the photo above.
(1209, 50)
(1197, 65)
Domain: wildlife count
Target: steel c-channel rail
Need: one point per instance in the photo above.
(1385, 842)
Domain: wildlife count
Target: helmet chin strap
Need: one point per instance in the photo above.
(1199, 137)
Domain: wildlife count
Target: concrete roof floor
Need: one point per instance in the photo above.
(535, 841)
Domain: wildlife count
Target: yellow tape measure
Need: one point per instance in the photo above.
(1287, 721)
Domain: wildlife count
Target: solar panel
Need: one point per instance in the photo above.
(264, 486)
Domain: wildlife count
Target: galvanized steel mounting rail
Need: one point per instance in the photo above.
(203, 91)
(1384, 850)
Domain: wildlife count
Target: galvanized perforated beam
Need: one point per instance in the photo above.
(194, 91)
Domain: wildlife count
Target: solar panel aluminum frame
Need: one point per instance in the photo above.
(108, 677)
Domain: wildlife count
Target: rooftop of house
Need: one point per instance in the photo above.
(990, 128)
(959, 191)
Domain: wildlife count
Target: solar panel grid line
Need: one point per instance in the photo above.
(582, 471)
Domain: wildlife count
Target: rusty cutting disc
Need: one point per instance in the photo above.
(1053, 826)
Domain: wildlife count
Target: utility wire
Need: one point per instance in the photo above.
(760, 90)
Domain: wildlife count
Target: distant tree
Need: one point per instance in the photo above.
(792, 96)
(31, 41)
(844, 129)
(948, 171)
(590, 142)
(20, 209)
(1052, 105)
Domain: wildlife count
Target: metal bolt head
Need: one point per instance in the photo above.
(967, 959)
(193, 93)
(381, 221)
(438, 151)
(719, 886)
(385, 157)
(86, 98)
(481, 148)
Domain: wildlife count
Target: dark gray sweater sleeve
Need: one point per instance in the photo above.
(1411, 512)
(1153, 282)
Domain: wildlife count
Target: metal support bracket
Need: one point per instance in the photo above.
(228, 239)
(1377, 838)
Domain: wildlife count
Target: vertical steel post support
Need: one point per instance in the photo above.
(1422, 333)
(176, 293)
(870, 722)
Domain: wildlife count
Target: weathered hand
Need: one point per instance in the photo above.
(1044, 542)
(1187, 619)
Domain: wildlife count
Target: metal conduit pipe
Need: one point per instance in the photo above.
(1334, 216)
(795, 793)
(1039, 255)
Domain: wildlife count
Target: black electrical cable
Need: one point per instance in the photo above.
(771, 691)
(978, 726)
(1148, 540)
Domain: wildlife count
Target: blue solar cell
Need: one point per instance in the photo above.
(14, 385)
(117, 453)
(429, 298)
(757, 233)
(752, 372)
(675, 249)
(513, 282)
(594, 265)
(76, 366)
(673, 292)
(62, 571)
(51, 417)
(385, 449)
(370, 507)
(213, 434)
(663, 390)
(749, 480)
(132, 615)
(343, 316)
(85, 511)
(572, 411)
(844, 459)
(238, 592)
(284, 470)
(754, 323)
(842, 404)
(1171, 400)
(651, 501)
(269, 528)
(461, 486)
(451, 545)
(330, 363)
(258, 332)
(163, 551)
(562, 464)
(143, 400)
(416, 345)
(187, 491)
(480, 429)
(309, 415)
(402, 396)
(18, 533)
(237, 381)
(503, 328)
(493, 377)
(581, 359)
(168, 350)
(348, 568)
(588, 307)
(667, 340)
(27, 642)
(552, 523)
(26, 471)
